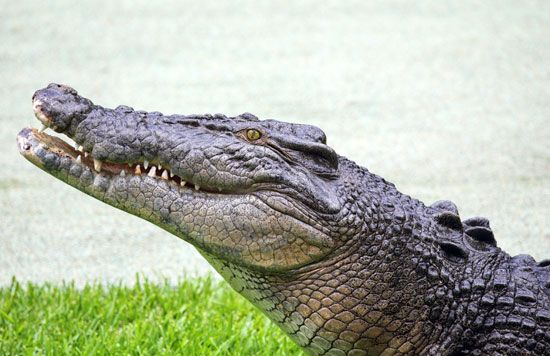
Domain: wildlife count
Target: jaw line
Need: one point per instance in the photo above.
(35, 146)
(42, 149)
(182, 211)
(40, 140)
(38, 148)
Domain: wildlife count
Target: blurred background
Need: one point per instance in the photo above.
(446, 100)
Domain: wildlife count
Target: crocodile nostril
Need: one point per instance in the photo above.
(23, 140)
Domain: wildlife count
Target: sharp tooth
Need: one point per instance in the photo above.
(78, 159)
(80, 148)
(85, 154)
(122, 173)
(146, 164)
(138, 170)
(160, 167)
(197, 187)
(183, 183)
(43, 128)
(164, 174)
(97, 165)
(152, 172)
(171, 174)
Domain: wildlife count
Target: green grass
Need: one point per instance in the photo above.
(195, 317)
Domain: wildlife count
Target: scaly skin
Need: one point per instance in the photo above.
(335, 255)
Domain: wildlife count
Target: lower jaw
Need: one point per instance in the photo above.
(182, 211)
(118, 185)
(60, 159)
(77, 168)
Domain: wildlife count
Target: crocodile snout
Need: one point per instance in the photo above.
(57, 106)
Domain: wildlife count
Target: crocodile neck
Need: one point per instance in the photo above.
(392, 292)
(381, 292)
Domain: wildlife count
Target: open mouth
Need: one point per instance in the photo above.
(190, 156)
(37, 147)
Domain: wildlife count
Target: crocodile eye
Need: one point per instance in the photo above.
(253, 135)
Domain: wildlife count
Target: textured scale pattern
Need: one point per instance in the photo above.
(336, 256)
(375, 301)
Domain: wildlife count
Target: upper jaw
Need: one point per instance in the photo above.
(54, 106)
(122, 141)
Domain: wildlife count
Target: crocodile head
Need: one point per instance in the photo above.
(260, 194)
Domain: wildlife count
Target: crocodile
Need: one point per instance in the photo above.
(333, 254)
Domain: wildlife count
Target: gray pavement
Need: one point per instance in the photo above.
(448, 100)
